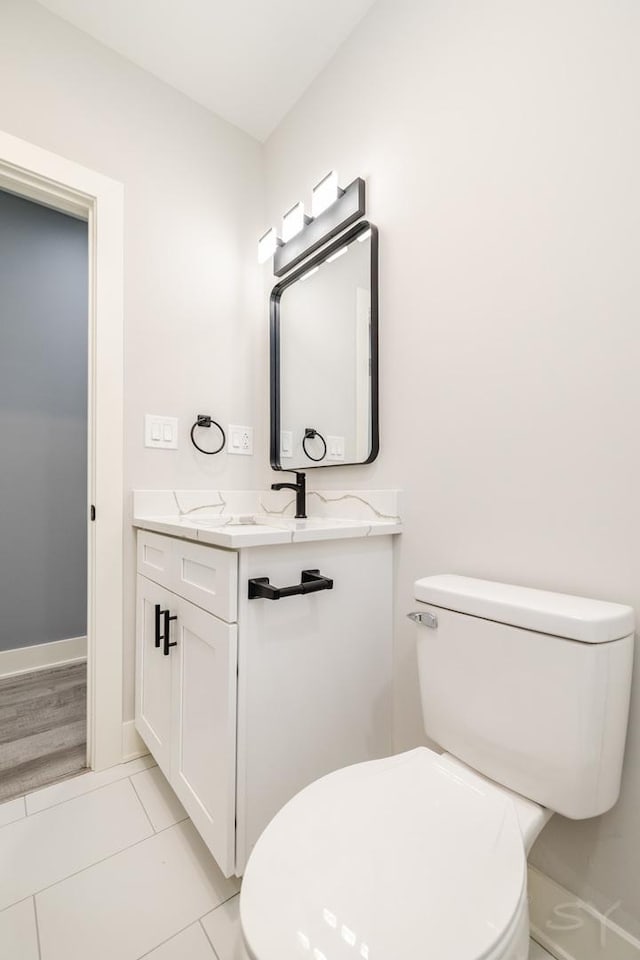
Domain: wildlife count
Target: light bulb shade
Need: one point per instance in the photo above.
(325, 193)
(267, 245)
(293, 222)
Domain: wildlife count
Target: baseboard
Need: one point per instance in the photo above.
(571, 929)
(132, 743)
(42, 656)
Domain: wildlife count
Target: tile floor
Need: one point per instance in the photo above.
(107, 866)
(538, 953)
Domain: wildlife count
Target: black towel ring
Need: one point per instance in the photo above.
(204, 421)
(311, 434)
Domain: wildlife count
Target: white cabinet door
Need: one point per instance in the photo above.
(203, 770)
(314, 685)
(153, 670)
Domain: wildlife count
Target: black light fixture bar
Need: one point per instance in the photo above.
(345, 210)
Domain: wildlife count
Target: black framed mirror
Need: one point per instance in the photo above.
(324, 357)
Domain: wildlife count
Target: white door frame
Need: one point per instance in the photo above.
(59, 183)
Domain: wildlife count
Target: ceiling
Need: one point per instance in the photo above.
(245, 60)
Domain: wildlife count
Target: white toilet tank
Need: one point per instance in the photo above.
(530, 688)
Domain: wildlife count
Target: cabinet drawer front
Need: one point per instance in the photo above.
(155, 557)
(207, 576)
(204, 704)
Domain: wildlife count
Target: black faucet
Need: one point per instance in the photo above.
(300, 487)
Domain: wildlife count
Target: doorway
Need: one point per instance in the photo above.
(43, 486)
(31, 173)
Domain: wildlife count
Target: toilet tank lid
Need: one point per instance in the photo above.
(576, 618)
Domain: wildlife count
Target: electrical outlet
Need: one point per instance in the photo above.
(286, 444)
(335, 448)
(160, 432)
(240, 440)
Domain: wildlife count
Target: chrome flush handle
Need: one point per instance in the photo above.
(425, 619)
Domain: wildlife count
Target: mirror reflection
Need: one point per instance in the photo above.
(324, 358)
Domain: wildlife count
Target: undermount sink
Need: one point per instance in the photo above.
(316, 523)
(240, 520)
(267, 520)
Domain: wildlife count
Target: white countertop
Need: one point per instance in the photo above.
(233, 533)
(215, 517)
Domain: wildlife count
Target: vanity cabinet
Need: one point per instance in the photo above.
(243, 702)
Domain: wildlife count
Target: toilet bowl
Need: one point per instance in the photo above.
(411, 856)
(423, 855)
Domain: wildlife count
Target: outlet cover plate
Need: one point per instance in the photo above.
(240, 440)
(335, 448)
(286, 444)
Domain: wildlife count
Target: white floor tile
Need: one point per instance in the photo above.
(191, 944)
(222, 926)
(133, 902)
(537, 952)
(11, 811)
(18, 935)
(162, 806)
(40, 850)
(76, 786)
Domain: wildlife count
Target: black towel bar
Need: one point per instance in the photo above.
(310, 582)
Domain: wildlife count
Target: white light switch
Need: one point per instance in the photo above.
(335, 448)
(160, 432)
(240, 440)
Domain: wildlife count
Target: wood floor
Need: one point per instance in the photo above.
(43, 728)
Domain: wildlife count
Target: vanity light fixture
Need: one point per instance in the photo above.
(338, 253)
(334, 209)
(325, 193)
(294, 221)
(267, 245)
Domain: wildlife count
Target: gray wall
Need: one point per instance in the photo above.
(43, 424)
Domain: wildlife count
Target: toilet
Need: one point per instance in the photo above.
(424, 854)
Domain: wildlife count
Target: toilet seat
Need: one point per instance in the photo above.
(387, 860)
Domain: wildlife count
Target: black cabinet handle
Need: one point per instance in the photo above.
(310, 582)
(158, 638)
(167, 628)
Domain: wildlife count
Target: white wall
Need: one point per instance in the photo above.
(193, 195)
(500, 142)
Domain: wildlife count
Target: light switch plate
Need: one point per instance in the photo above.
(240, 440)
(160, 432)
